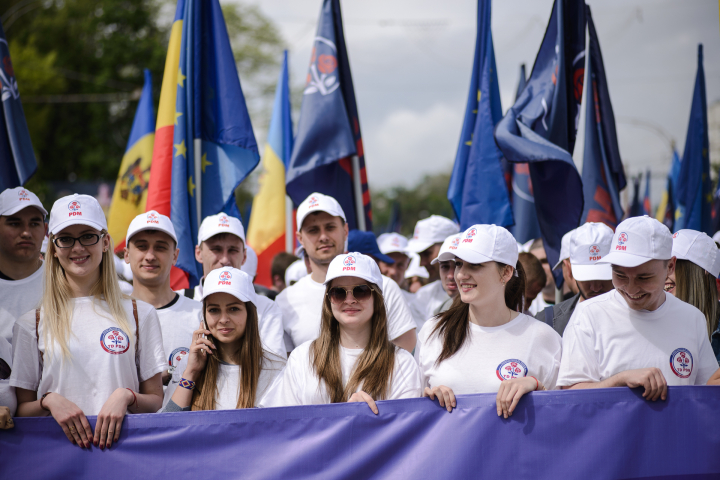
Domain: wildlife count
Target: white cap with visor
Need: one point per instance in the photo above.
(488, 243)
(431, 230)
(221, 223)
(697, 248)
(232, 281)
(638, 240)
(588, 244)
(448, 249)
(564, 248)
(355, 264)
(392, 243)
(12, 200)
(151, 220)
(76, 210)
(317, 202)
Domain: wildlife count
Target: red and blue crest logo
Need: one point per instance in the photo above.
(681, 362)
(454, 244)
(622, 238)
(152, 218)
(512, 368)
(224, 221)
(675, 234)
(349, 260)
(114, 341)
(594, 250)
(23, 195)
(74, 206)
(469, 235)
(176, 356)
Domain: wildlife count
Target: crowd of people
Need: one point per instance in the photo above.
(351, 318)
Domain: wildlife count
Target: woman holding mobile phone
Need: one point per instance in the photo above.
(88, 349)
(227, 366)
(352, 360)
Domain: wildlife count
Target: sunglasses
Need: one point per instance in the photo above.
(359, 292)
(4, 370)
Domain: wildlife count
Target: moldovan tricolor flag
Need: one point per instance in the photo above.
(266, 231)
(130, 194)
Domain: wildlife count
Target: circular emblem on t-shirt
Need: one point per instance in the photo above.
(114, 341)
(681, 362)
(509, 369)
(177, 355)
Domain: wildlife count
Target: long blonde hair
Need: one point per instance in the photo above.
(56, 302)
(375, 366)
(250, 358)
(695, 286)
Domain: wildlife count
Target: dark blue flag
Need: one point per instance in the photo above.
(17, 159)
(646, 207)
(540, 128)
(694, 189)
(328, 133)
(214, 144)
(477, 191)
(603, 176)
(635, 209)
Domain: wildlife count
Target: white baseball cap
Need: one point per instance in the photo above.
(414, 269)
(487, 243)
(76, 210)
(564, 248)
(448, 249)
(354, 264)
(588, 244)
(251, 262)
(716, 237)
(295, 272)
(220, 223)
(317, 202)
(638, 240)
(432, 230)
(230, 280)
(12, 200)
(392, 243)
(151, 220)
(697, 248)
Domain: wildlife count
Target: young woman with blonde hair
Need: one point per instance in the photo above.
(88, 349)
(227, 366)
(352, 360)
(483, 343)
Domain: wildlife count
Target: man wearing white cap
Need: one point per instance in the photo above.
(221, 243)
(393, 245)
(569, 285)
(427, 239)
(446, 263)
(588, 244)
(151, 251)
(22, 229)
(323, 232)
(637, 335)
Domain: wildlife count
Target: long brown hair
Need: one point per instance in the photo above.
(695, 286)
(375, 366)
(250, 358)
(453, 325)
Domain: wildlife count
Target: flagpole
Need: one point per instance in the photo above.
(357, 191)
(197, 146)
(289, 244)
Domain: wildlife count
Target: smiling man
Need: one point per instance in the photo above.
(637, 335)
(446, 263)
(22, 230)
(323, 231)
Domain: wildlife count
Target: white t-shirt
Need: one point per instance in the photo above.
(301, 306)
(270, 322)
(228, 381)
(178, 322)
(523, 347)
(18, 297)
(429, 298)
(299, 385)
(7, 392)
(605, 337)
(102, 358)
(417, 313)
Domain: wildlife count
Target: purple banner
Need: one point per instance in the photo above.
(610, 433)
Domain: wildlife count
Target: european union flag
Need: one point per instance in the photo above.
(603, 176)
(214, 144)
(328, 133)
(17, 159)
(694, 190)
(540, 128)
(477, 190)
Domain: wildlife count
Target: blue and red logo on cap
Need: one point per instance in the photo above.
(225, 278)
(224, 221)
(622, 239)
(469, 235)
(348, 264)
(594, 253)
(675, 234)
(454, 244)
(313, 202)
(23, 195)
(152, 218)
(74, 208)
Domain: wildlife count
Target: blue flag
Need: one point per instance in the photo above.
(635, 209)
(212, 128)
(17, 159)
(646, 207)
(517, 175)
(603, 176)
(694, 189)
(540, 128)
(328, 133)
(477, 191)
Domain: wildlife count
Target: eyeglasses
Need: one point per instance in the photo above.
(85, 240)
(359, 292)
(4, 370)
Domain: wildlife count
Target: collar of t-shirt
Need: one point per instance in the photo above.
(5, 277)
(172, 302)
(619, 298)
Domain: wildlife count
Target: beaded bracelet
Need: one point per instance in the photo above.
(185, 383)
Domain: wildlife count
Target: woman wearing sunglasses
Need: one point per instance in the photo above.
(8, 402)
(88, 349)
(482, 344)
(352, 360)
(227, 367)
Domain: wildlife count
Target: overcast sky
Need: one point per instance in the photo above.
(411, 63)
